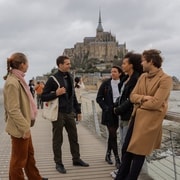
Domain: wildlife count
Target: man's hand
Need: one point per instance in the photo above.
(60, 91)
(79, 117)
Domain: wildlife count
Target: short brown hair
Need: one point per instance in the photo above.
(154, 56)
(60, 60)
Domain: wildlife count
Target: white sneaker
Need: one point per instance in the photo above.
(114, 173)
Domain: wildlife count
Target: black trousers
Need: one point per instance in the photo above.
(67, 121)
(131, 163)
(112, 140)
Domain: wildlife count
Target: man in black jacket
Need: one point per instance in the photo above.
(67, 105)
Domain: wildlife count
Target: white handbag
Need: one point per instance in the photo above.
(50, 110)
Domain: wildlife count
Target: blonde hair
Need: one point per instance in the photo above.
(14, 62)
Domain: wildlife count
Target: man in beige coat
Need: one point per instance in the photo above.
(150, 97)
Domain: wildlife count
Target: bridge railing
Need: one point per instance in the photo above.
(163, 163)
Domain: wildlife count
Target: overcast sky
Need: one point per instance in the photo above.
(42, 29)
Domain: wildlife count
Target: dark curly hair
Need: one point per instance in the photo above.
(135, 60)
(77, 80)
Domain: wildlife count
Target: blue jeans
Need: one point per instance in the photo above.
(123, 128)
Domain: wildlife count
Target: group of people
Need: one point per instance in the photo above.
(37, 90)
(133, 101)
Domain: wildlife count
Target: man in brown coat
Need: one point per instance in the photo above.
(150, 97)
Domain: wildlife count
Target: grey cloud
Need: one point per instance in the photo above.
(43, 28)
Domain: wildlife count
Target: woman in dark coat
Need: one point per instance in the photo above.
(132, 67)
(106, 97)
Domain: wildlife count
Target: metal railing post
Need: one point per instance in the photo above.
(173, 155)
(95, 117)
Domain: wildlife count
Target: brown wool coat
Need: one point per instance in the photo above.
(147, 132)
(17, 107)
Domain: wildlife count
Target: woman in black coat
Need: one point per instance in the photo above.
(132, 67)
(106, 97)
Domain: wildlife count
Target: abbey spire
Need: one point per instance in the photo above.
(99, 27)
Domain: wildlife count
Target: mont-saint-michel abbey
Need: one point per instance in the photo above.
(97, 54)
(101, 49)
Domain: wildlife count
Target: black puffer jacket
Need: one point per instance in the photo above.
(124, 107)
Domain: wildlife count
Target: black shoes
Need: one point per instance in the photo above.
(60, 168)
(44, 178)
(118, 162)
(80, 162)
(108, 158)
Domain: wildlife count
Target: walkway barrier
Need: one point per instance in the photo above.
(165, 163)
(161, 164)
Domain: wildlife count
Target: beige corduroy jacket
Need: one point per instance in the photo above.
(17, 107)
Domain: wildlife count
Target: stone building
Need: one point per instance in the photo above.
(103, 48)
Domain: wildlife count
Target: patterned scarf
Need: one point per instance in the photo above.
(20, 75)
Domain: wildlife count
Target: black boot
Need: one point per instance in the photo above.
(118, 163)
(108, 158)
